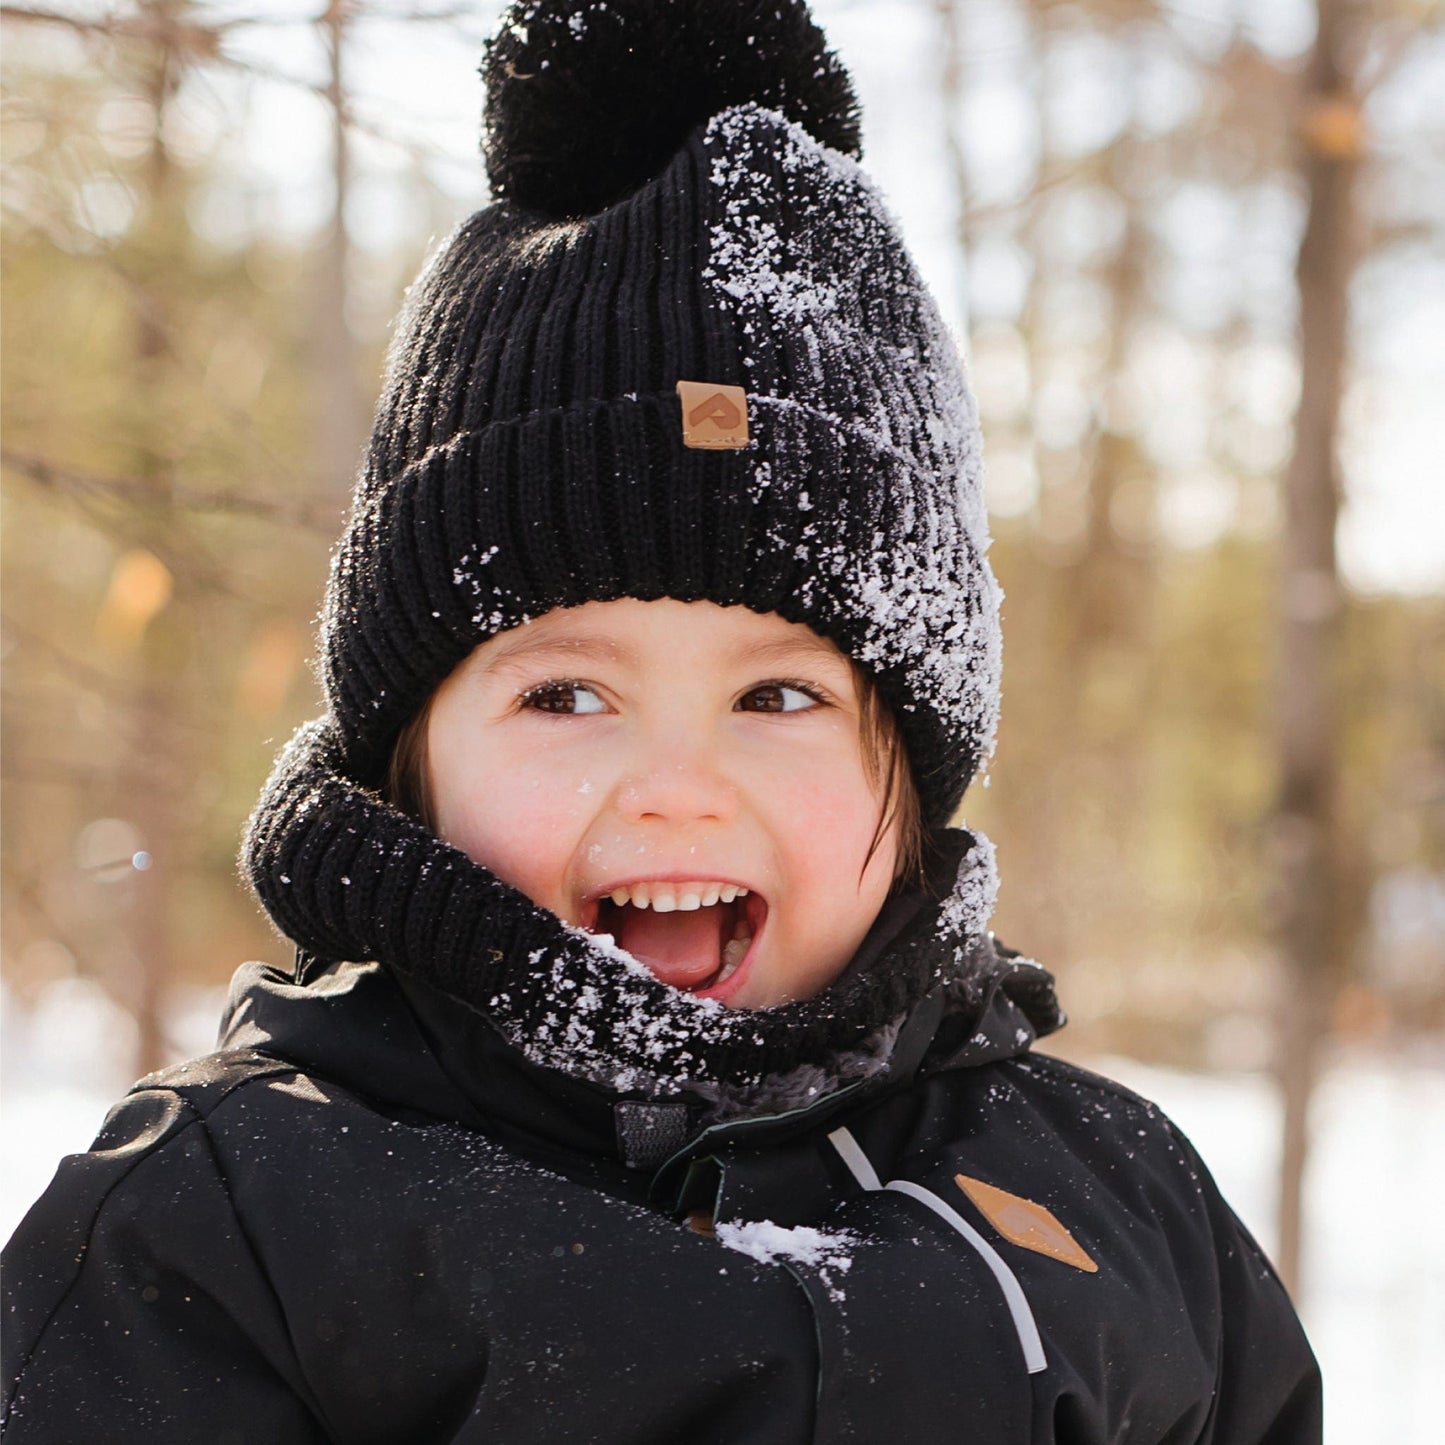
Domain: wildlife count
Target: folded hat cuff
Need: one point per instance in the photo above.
(812, 520)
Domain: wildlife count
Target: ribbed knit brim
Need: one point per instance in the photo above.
(684, 524)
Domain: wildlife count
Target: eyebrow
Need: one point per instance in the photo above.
(788, 648)
(582, 647)
(585, 647)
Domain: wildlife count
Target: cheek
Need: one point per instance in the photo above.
(826, 816)
(822, 826)
(511, 813)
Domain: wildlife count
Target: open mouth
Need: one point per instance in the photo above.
(693, 935)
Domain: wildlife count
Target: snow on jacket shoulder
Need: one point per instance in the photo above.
(335, 1237)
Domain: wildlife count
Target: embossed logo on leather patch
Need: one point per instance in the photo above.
(1025, 1223)
(713, 416)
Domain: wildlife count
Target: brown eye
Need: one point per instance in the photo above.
(778, 697)
(563, 697)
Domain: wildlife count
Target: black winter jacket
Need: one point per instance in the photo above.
(370, 1220)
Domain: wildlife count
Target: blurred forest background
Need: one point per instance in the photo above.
(1216, 471)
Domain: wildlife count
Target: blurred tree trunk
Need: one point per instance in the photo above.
(1102, 605)
(1023, 796)
(1310, 920)
(342, 421)
(156, 772)
(950, 85)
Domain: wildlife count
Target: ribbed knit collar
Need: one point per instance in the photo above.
(346, 876)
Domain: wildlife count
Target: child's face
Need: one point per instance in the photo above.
(666, 753)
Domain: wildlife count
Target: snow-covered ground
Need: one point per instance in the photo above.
(1375, 1266)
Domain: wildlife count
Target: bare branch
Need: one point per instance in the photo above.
(180, 37)
(77, 674)
(132, 489)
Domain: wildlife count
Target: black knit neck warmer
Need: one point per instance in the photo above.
(348, 877)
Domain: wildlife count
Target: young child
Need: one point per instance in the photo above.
(647, 1073)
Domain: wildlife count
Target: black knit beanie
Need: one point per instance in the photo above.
(683, 354)
(677, 203)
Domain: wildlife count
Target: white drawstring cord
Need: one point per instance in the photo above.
(1023, 1317)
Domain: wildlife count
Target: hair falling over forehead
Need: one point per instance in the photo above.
(884, 759)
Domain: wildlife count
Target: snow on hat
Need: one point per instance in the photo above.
(683, 354)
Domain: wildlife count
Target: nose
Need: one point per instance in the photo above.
(677, 780)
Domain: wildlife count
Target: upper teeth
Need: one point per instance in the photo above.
(676, 897)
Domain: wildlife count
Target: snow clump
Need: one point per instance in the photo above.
(831, 1254)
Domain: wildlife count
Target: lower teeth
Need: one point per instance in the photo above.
(732, 956)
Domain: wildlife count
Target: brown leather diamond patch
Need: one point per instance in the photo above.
(713, 415)
(1025, 1223)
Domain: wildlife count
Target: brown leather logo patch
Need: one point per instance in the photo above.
(713, 416)
(1025, 1223)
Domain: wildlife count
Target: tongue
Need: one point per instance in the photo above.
(682, 949)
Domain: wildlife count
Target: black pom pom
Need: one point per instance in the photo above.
(587, 100)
